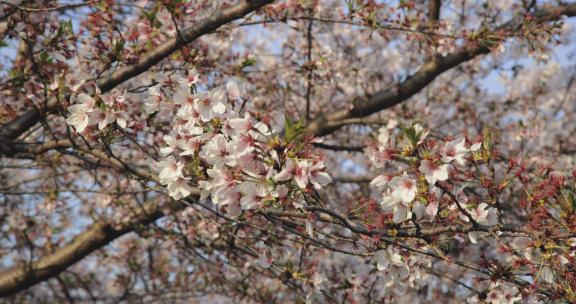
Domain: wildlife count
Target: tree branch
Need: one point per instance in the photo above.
(327, 123)
(18, 126)
(95, 237)
(434, 12)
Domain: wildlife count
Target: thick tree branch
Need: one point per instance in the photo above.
(434, 12)
(30, 150)
(339, 148)
(186, 36)
(327, 123)
(18, 126)
(95, 237)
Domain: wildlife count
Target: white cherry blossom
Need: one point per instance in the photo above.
(170, 170)
(297, 170)
(455, 151)
(433, 172)
(79, 113)
(179, 189)
(390, 256)
(317, 176)
(483, 214)
(404, 188)
(380, 181)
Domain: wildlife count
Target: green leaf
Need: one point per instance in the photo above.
(44, 57)
(248, 62)
(68, 26)
(569, 195)
(487, 143)
(119, 47)
(411, 135)
(64, 29)
(288, 127)
(151, 16)
(292, 130)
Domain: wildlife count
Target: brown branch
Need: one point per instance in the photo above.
(30, 150)
(95, 237)
(7, 13)
(434, 12)
(329, 216)
(18, 126)
(327, 123)
(455, 201)
(354, 179)
(186, 36)
(339, 148)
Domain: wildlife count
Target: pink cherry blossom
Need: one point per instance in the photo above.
(318, 176)
(297, 170)
(454, 150)
(404, 188)
(79, 113)
(380, 181)
(252, 194)
(218, 151)
(485, 215)
(433, 172)
(169, 170)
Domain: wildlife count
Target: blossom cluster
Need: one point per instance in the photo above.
(499, 293)
(101, 111)
(215, 143)
(237, 161)
(400, 272)
(415, 189)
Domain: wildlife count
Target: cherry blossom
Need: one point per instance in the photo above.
(388, 257)
(484, 214)
(169, 170)
(454, 151)
(79, 113)
(297, 170)
(318, 177)
(502, 294)
(179, 188)
(433, 172)
(404, 188)
(380, 181)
